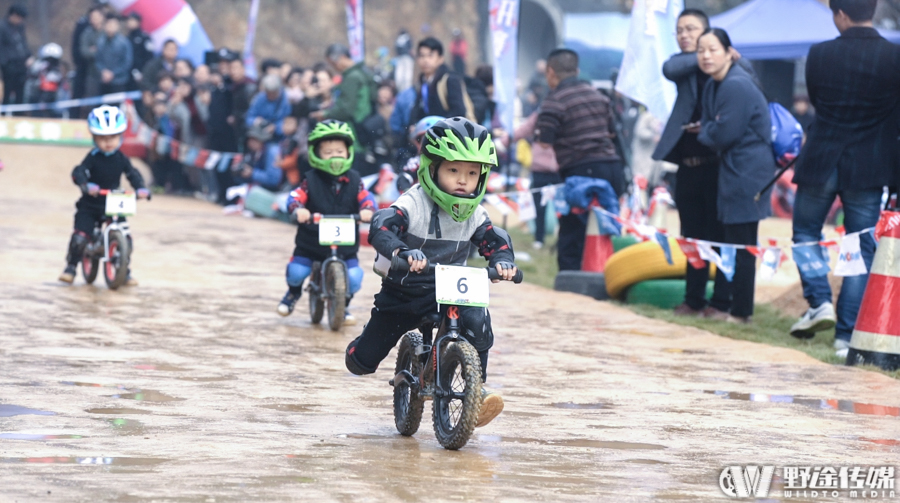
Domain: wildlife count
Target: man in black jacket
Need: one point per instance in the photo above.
(436, 82)
(851, 152)
(141, 48)
(14, 54)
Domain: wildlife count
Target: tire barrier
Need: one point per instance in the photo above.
(592, 284)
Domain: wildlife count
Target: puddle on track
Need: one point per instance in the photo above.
(37, 436)
(121, 461)
(117, 411)
(147, 395)
(571, 405)
(290, 407)
(162, 367)
(813, 403)
(9, 410)
(126, 427)
(574, 442)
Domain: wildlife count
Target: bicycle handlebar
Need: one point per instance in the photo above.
(106, 192)
(318, 216)
(400, 265)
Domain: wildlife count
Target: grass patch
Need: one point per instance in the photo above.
(769, 327)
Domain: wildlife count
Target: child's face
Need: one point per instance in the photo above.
(165, 85)
(459, 178)
(329, 149)
(289, 126)
(254, 145)
(107, 143)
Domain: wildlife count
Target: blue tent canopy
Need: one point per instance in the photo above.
(781, 29)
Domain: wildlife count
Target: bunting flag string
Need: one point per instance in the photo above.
(166, 146)
(811, 257)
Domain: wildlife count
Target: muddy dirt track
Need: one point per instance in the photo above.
(190, 387)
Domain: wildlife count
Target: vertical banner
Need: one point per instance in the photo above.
(247, 56)
(170, 19)
(651, 41)
(504, 41)
(356, 30)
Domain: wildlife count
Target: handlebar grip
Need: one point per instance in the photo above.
(399, 264)
(517, 278)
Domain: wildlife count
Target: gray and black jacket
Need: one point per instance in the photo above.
(414, 221)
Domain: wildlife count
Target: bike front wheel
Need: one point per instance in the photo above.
(90, 266)
(408, 404)
(458, 402)
(116, 270)
(316, 304)
(336, 300)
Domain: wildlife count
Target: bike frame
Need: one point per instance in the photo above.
(447, 330)
(319, 284)
(112, 223)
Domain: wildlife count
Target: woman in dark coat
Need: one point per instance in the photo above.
(736, 124)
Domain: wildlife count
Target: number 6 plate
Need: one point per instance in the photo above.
(337, 231)
(121, 204)
(461, 286)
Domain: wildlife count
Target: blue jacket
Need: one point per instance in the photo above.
(114, 54)
(265, 171)
(580, 192)
(737, 125)
(272, 112)
(403, 106)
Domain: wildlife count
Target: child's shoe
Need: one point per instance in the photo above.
(131, 281)
(68, 275)
(349, 320)
(491, 407)
(288, 302)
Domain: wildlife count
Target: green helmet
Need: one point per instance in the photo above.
(331, 130)
(456, 139)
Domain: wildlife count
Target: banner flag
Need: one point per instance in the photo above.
(247, 56)
(504, 22)
(356, 34)
(651, 41)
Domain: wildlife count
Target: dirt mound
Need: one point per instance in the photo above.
(792, 302)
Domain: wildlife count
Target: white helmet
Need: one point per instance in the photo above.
(51, 50)
(107, 120)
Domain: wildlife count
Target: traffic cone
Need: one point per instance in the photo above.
(876, 337)
(597, 248)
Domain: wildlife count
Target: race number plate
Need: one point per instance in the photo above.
(123, 205)
(462, 286)
(337, 231)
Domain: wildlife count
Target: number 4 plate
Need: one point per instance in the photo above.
(462, 286)
(337, 231)
(121, 204)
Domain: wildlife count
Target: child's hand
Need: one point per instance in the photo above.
(416, 259)
(506, 270)
(93, 189)
(365, 215)
(303, 215)
(143, 194)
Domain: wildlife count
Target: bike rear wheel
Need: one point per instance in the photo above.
(336, 300)
(116, 270)
(90, 266)
(408, 405)
(456, 413)
(316, 304)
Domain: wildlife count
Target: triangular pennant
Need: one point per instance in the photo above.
(690, 251)
(729, 256)
(548, 193)
(850, 261)
(663, 241)
(527, 211)
(771, 260)
(200, 160)
(213, 161)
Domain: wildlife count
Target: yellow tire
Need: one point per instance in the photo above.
(642, 262)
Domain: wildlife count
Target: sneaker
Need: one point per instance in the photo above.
(68, 275)
(686, 310)
(131, 281)
(711, 313)
(287, 304)
(491, 407)
(815, 320)
(841, 347)
(349, 320)
(537, 245)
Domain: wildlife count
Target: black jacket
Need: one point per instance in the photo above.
(456, 106)
(105, 171)
(854, 85)
(13, 47)
(320, 188)
(736, 124)
(141, 48)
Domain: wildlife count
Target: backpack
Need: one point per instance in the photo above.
(441, 88)
(787, 134)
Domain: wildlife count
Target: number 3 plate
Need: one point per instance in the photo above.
(462, 286)
(121, 204)
(337, 231)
